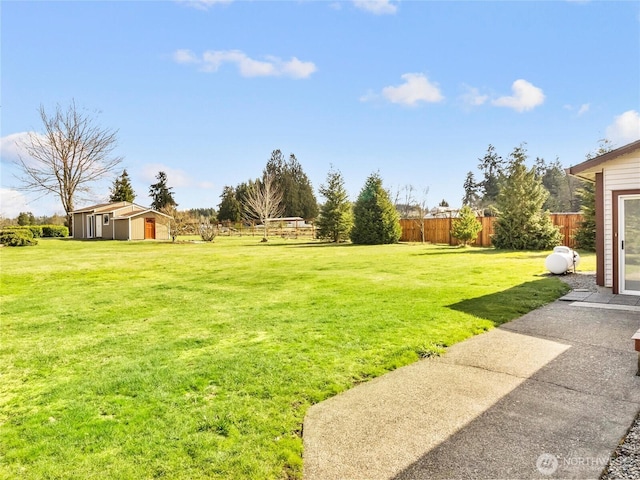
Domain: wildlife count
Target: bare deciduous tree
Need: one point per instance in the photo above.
(410, 206)
(72, 153)
(263, 201)
(181, 222)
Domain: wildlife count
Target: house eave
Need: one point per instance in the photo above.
(587, 170)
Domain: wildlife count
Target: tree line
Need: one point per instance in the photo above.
(74, 151)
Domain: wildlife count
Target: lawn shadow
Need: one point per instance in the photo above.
(504, 306)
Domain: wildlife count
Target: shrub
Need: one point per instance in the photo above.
(208, 230)
(15, 237)
(55, 231)
(466, 227)
(36, 230)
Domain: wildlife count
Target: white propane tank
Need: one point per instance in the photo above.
(561, 260)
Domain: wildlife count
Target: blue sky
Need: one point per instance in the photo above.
(415, 90)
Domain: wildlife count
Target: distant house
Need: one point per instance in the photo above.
(617, 183)
(289, 222)
(120, 221)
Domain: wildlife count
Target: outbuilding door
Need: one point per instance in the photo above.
(149, 228)
(629, 244)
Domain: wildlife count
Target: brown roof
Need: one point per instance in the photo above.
(139, 212)
(114, 207)
(588, 169)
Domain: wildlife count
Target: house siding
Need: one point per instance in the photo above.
(162, 228)
(121, 229)
(107, 230)
(78, 225)
(137, 228)
(622, 173)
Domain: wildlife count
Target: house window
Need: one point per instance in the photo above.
(105, 219)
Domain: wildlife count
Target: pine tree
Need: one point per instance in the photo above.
(521, 223)
(26, 218)
(298, 199)
(229, 208)
(122, 191)
(492, 166)
(336, 216)
(471, 193)
(466, 227)
(161, 193)
(586, 235)
(375, 220)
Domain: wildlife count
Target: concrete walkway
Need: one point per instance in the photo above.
(549, 395)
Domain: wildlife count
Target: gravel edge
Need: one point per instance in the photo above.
(625, 461)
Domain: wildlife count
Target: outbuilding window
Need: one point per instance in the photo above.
(105, 219)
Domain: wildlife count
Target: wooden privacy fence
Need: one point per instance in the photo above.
(438, 230)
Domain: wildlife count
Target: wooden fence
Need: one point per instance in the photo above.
(438, 230)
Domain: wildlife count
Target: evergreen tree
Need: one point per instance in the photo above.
(203, 213)
(466, 227)
(122, 191)
(229, 208)
(586, 235)
(336, 216)
(298, 199)
(26, 218)
(443, 203)
(375, 218)
(561, 187)
(492, 166)
(161, 194)
(471, 193)
(521, 223)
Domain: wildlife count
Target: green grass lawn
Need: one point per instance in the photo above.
(150, 360)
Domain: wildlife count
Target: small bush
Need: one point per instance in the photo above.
(15, 237)
(466, 227)
(55, 231)
(208, 231)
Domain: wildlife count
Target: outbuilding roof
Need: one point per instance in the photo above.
(134, 210)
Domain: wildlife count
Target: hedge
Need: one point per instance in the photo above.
(39, 231)
(17, 237)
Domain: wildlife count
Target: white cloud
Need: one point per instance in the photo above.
(185, 56)
(584, 108)
(12, 203)
(472, 97)
(377, 7)
(625, 128)
(417, 88)
(11, 147)
(525, 97)
(271, 66)
(203, 4)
